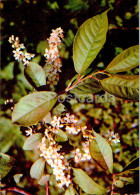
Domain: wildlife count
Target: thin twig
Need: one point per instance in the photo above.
(123, 28)
(47, 188)
(112, 187)
(82, 79)
(15, 189)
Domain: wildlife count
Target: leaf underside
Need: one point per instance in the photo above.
(37, 168)
(35, 75)
(86, 183)
(33, 107)
(101, 152)
(32, 141)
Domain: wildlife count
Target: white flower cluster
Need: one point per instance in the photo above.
(18, 53)
(50, 150)
(53, 62)
(57, 161)
(113, 137)
(68, 122)
(83, 158)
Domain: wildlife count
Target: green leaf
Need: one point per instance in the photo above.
(6, 164)
(119, 184)
(127, 77)
(60, 108)
(122, 87)
(126, 60)
(61, 136)
(75, 78)
(101, 152)
(117, 167)
(35, 75)
(43, 180)
(17, 177)
(10, 134)
(42, 45)
(7, 72)
(70, 191)
(89, 40)
(47, 118)
(129, 176)
(89, 85)
(86, 183)
(129, 172)
(37, 168)
(32, 142)
(132, 165)
(33, 107)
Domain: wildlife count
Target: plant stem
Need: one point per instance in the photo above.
(82, 79)
(47, 189)
(112, 187)
(15, 189)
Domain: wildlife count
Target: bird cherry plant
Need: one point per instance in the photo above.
(52, 130)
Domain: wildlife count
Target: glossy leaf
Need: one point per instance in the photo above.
(32, 142)
(6, 164)
(101, 152)
(126, 60)
(33, 108)
(35, 75)
(86, 183)
(122, 87)
(89, 40)
(89, 85)
(37, 168)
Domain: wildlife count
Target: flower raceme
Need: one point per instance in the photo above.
(59, 161)
(53, 62)
(18, 53)
(50, 149)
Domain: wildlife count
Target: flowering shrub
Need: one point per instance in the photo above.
(68, 151)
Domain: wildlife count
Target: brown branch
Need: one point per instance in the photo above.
(80, 79)
(112, 187)
(118, 2)
(15, 189)
(122, 28)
